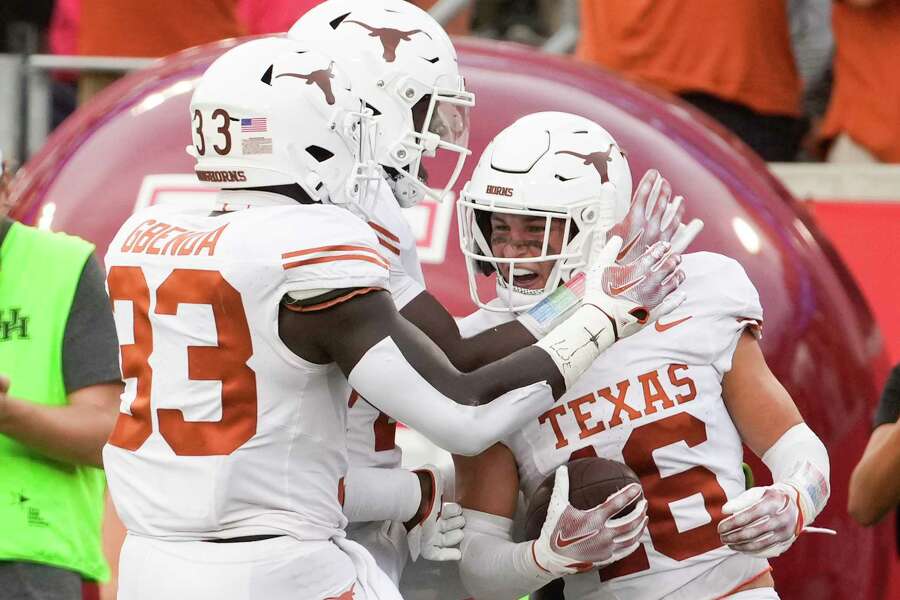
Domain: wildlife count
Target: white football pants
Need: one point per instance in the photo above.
(386, 542)
(281, 568)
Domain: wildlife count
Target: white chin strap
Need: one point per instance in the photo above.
(408, 188)
(405, 191)
(516, 299)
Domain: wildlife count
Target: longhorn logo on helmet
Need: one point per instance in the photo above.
(321, 78)
(390, 38)
(599, 159)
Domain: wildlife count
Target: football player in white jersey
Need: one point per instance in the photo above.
(243, 330)
(403, 64)
(382, 500)
(674, 402)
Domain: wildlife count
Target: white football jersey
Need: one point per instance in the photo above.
(654, 402)
(371, 433)
(223, 431)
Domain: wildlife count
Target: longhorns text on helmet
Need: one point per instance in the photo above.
(404, 66)
(555, 166)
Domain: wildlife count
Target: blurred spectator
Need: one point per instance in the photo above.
(62, 39)
(271, 16)
(515, 20)
(875, 482)
(864, 115)
(33, 14)
(461, 24)
(813, 47)
(140, 28)
(814, 51)
(732, 60)
(63, 35)
(59, 397)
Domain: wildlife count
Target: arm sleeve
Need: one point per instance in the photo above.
(800, 458)
(493, 567)
(90, 345)
(385, 378)
(377, 494)
(889, 407)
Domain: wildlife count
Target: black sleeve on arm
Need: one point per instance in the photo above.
(466, 354)
(90, 346)
(346, 331)
(888, 410)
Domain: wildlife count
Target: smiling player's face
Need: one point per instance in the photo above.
(520, 236)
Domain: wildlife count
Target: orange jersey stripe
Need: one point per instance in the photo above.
(768, 569)
(328, 249)
(323, 259)
(323, 305)
(384, 232)
(393, 249)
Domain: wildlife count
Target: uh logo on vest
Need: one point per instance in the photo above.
(648, 396)
(13, 325)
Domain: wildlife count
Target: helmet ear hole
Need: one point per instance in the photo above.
(420, 112)
(319, 153)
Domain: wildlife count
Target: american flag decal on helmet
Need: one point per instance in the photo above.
(254, 125)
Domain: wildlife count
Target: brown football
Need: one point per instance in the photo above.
(591, 481)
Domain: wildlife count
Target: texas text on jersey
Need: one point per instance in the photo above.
(655, 403)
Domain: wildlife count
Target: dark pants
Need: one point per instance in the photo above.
(774, 137)
(32, 581)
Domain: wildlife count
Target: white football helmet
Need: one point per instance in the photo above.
(556, 166)
(403, 64)
(273, 112)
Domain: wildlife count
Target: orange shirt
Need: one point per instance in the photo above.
(865, 101)
(153, 27)
(736, 50)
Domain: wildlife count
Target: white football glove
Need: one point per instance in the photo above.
(765, 520)
(654, 216)
(438, 534)
(637, 293)
(574, 541)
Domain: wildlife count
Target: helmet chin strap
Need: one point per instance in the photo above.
(406, 193)
(520, 299)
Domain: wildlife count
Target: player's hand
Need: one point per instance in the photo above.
(765, 521)
(654, 216)
(637, 293)
(439, 528)
(574, 541)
